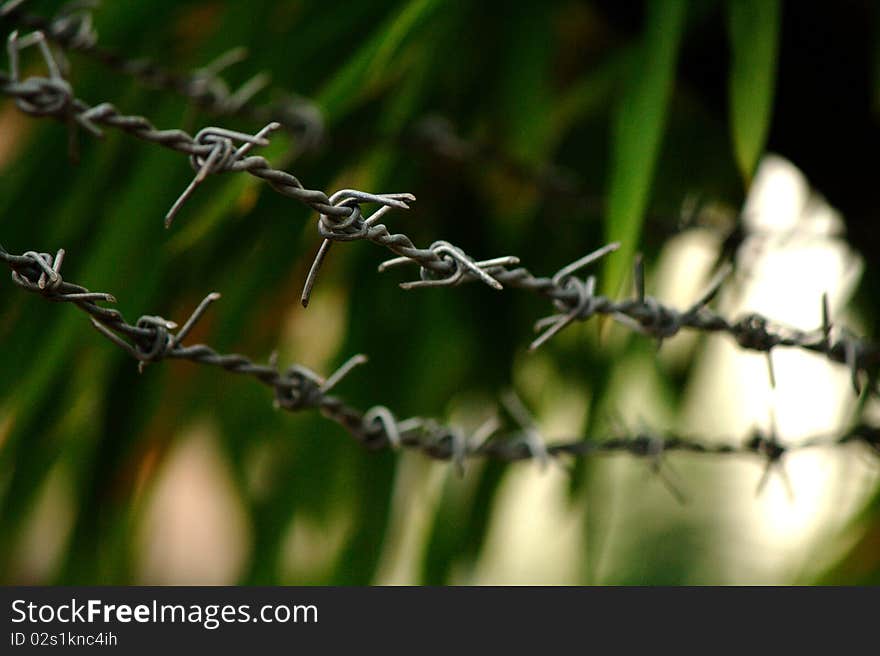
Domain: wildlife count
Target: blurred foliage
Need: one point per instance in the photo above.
(638, 128)
(754, 30)
(639, 105)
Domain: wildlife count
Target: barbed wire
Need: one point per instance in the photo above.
(72, 29)
(215, 150)
(152, 339)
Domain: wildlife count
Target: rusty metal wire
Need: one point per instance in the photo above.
(153, 339)
(575, 299)
(214, 150)
(72, 29)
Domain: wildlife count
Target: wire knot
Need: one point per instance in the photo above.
(214, 151)
(73, 25)
(350, 225)
(302, 389)
(647, 446)
(751, 333)
(584, 304)
(38, 96)
(769, 447)
(380, 421)
(160, 342)
(343, 228)
(658, 320)
(445, 265)
(219, 152)
(453, 259)
(773, 452)
(445, 442)
(41, 96)
(39, 273)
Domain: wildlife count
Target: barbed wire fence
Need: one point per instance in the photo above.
(153, 339)
(72, 29)
(215, 150)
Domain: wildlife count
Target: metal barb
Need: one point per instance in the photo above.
(445, 264)
(484, 432)
(346, 368)
(194, 317)
(533, 440)
(151, 339)
(221, 156)
(459, 266)
(385, 418)
(72, 29)
(826, 319)
(352, 226)
(664, 471)
(639, 277)
(460, 450)
(712, 289)
(212, 150)
(570, 269)
(774, 451)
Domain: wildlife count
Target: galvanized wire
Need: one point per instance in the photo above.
(213, 150)
(152, 339)
(72, 29)
(216, 150)
(576, 300)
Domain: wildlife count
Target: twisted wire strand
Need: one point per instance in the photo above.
(575, 299)
(71, 28)
(214, 150)
(152, 339)
(53, 97)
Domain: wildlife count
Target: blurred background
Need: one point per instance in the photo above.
(693, 132)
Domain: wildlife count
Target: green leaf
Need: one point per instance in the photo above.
(754, 37)
(366, 68)
(638, 130)
(589, 96)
